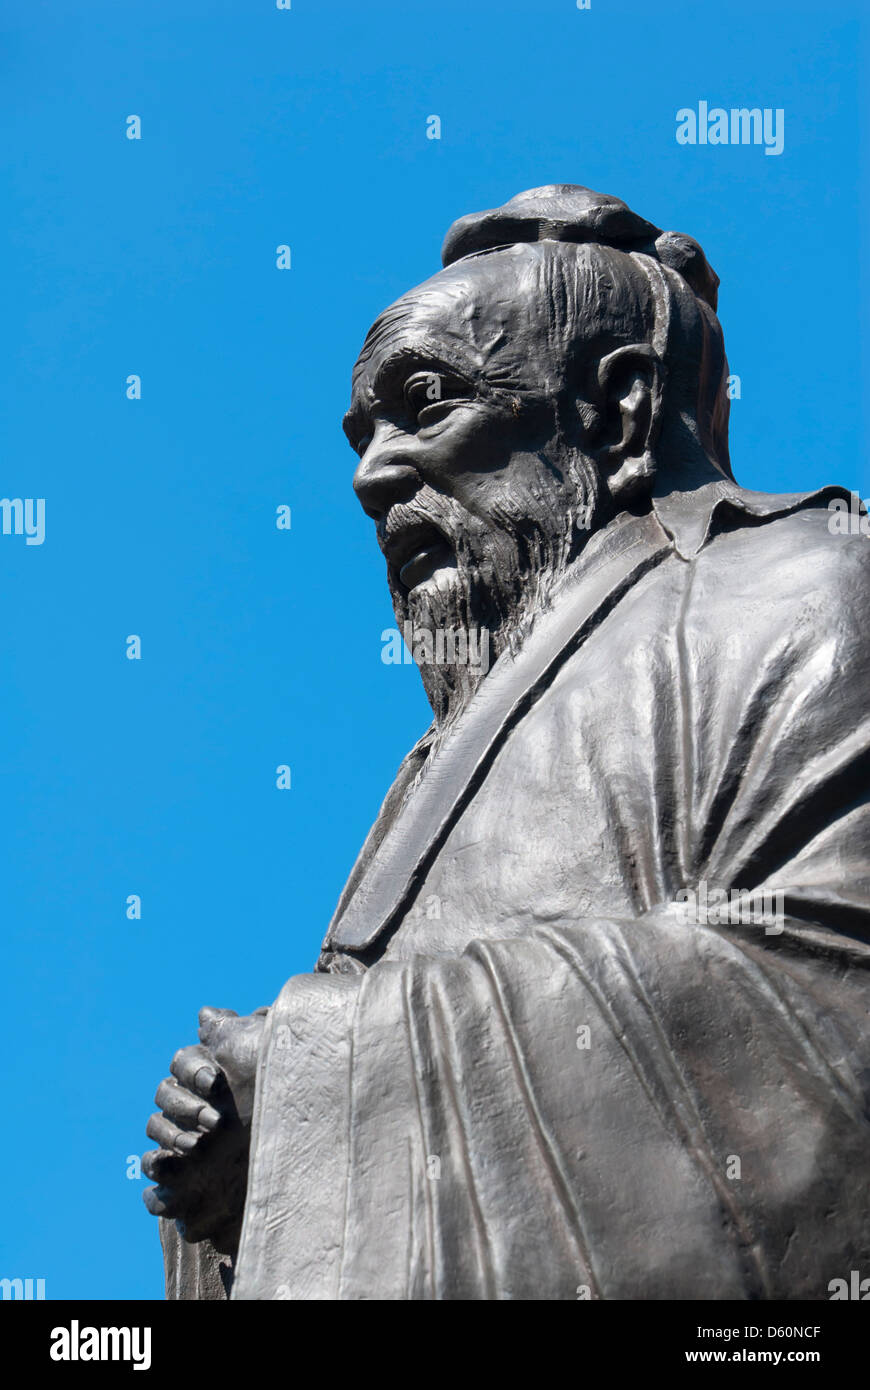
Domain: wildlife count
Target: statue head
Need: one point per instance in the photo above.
(566, 365)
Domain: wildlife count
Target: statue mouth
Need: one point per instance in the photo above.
(415, 552)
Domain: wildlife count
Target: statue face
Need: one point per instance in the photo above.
(426, 417)
(454, 416)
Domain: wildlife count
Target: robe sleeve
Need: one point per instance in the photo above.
(602, 1109)
(196, 1272)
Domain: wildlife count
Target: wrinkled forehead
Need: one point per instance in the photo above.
(485, 316)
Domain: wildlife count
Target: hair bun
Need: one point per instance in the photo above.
(683, 254)
(569, 212)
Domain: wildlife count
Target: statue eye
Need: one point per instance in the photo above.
(428, 395)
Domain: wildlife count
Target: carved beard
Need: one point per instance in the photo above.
(507, 562)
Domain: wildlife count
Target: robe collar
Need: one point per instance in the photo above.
(681, 523)
(692, 518)
(611, 564)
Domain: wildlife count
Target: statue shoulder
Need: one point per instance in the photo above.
(793, 572)
(803, 547)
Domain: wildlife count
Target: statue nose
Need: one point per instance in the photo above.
(383, 479)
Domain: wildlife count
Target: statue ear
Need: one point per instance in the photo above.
(627, 418)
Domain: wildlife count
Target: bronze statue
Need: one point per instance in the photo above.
(591, 1018)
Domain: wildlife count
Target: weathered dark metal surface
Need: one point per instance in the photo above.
(591, 1019)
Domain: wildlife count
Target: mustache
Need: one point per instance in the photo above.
(438, 512)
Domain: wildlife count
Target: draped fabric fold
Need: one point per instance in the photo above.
(538, 1074)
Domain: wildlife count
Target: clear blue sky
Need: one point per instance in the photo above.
(306, 127)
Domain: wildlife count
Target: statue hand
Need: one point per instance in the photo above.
(201, 1166)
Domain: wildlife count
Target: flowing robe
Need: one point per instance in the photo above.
(521, 1069)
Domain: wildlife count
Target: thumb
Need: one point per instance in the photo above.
(211, 1023)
